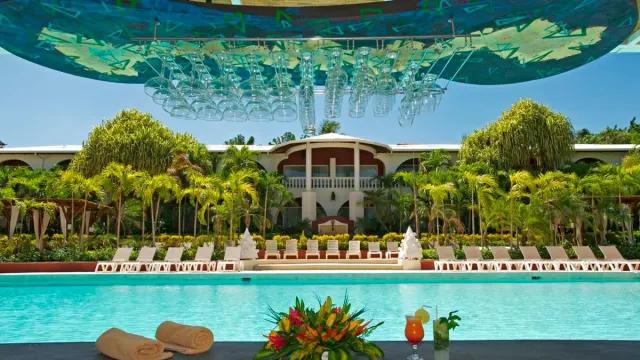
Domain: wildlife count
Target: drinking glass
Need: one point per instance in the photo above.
(414, 332)
(385, 92)
(334, 85)
(306, 95)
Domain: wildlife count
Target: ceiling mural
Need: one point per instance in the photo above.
(517, 40)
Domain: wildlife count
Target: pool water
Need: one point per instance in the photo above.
(65, 308)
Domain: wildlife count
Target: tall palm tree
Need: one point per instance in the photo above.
(414, 180)
(119, 180)
(90, 187)
(522, 185)
(273, 188)
(71, 183)
(159, 188)
(239, 158)
(438, 194)
(238, 188)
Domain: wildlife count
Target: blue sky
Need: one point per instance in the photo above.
(46, 107)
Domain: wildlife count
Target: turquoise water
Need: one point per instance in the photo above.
(63, 308)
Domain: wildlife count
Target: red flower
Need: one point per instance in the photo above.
(277, 341)
(295, 317)
(337, 310)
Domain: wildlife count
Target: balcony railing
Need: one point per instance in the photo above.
(366, 183)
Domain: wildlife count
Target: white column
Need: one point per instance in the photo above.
(307, 167)
(356, 166)
(309, 205)
(332, 167)
(356, 205)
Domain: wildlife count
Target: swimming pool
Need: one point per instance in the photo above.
(78, 307)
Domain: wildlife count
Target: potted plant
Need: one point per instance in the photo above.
(330, 332)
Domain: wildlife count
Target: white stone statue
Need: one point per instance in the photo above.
(248, 249)
(410, 248)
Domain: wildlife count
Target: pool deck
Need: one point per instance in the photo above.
(460, 350)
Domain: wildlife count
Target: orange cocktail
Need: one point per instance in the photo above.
(413, 330)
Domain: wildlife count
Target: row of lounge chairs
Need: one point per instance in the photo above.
(559, 260)
(172, 261)
(313, 250)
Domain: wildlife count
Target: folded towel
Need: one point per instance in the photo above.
(184, 338)
(121, 345)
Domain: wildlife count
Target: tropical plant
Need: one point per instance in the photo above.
(119, 182)
(329, 126)
(240, 140)
(306, 333)
(239, 158)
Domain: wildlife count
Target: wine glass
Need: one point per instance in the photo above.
(414, 332)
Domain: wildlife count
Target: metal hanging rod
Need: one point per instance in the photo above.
(314, 38)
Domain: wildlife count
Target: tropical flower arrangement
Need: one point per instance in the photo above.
(331, 332)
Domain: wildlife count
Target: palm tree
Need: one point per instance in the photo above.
(90, 187)
(159, 188)
(119, 180)
(240, 140)
(179, 194)
(438, 194)
(329, 126)
(71, 183)
(413, 180)
(522, 185)
(436, 160)
(140, 191)
(239, 158)
(272, 183)
(238, 187)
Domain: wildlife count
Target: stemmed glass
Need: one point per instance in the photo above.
(361, 84)
(283, 91)
(306, 96)
(334, 85)
(414, 332)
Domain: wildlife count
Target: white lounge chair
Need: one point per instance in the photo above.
(373, 250)
(354, 249)
(533, 260)
(201, 262)
(172, 258)
(145, 258)
(312, 249)
(473, 257)
(271, 249)
(291, 249)
(392, 249)
(561, 261)
(616, 261)
(231, 260)
(332, 249)
(447, 259)
(122, 255)
(502, 259)
(589, 259)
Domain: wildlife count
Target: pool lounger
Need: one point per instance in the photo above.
(502, 260)
(291, 249)
(271, 249)
(231, 259)
(392, 249)
(563, 262)
(447, 260)
(145, 258)
(617, 261)
(172, 258)
(354, 249)
(474, 257)
(201, 262)
(122, 255)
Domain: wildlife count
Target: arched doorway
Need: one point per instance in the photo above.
(14, 163)
(411, 165)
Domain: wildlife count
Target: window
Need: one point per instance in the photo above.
(344, 171)
(320, 171)
(365, 171)
(368, 170)
(299, 171)
(294, 171)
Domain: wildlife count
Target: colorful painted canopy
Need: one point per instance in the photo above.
(521, 39)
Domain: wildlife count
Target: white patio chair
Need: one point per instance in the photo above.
(231, 259)
(201, 262)
(145, 258)
(447, 260)
(354, 249)
(271, 249)
(561, 260)
(121, 256)
(473, 256)
(589, 259)
(171, 258)
(291, 249)
(392, 249)
(533, 260)
(502, 259)
(616, 261)
(312, 249)
(373, 250)
(332, 249)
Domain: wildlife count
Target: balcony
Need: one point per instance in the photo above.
(366, 183)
